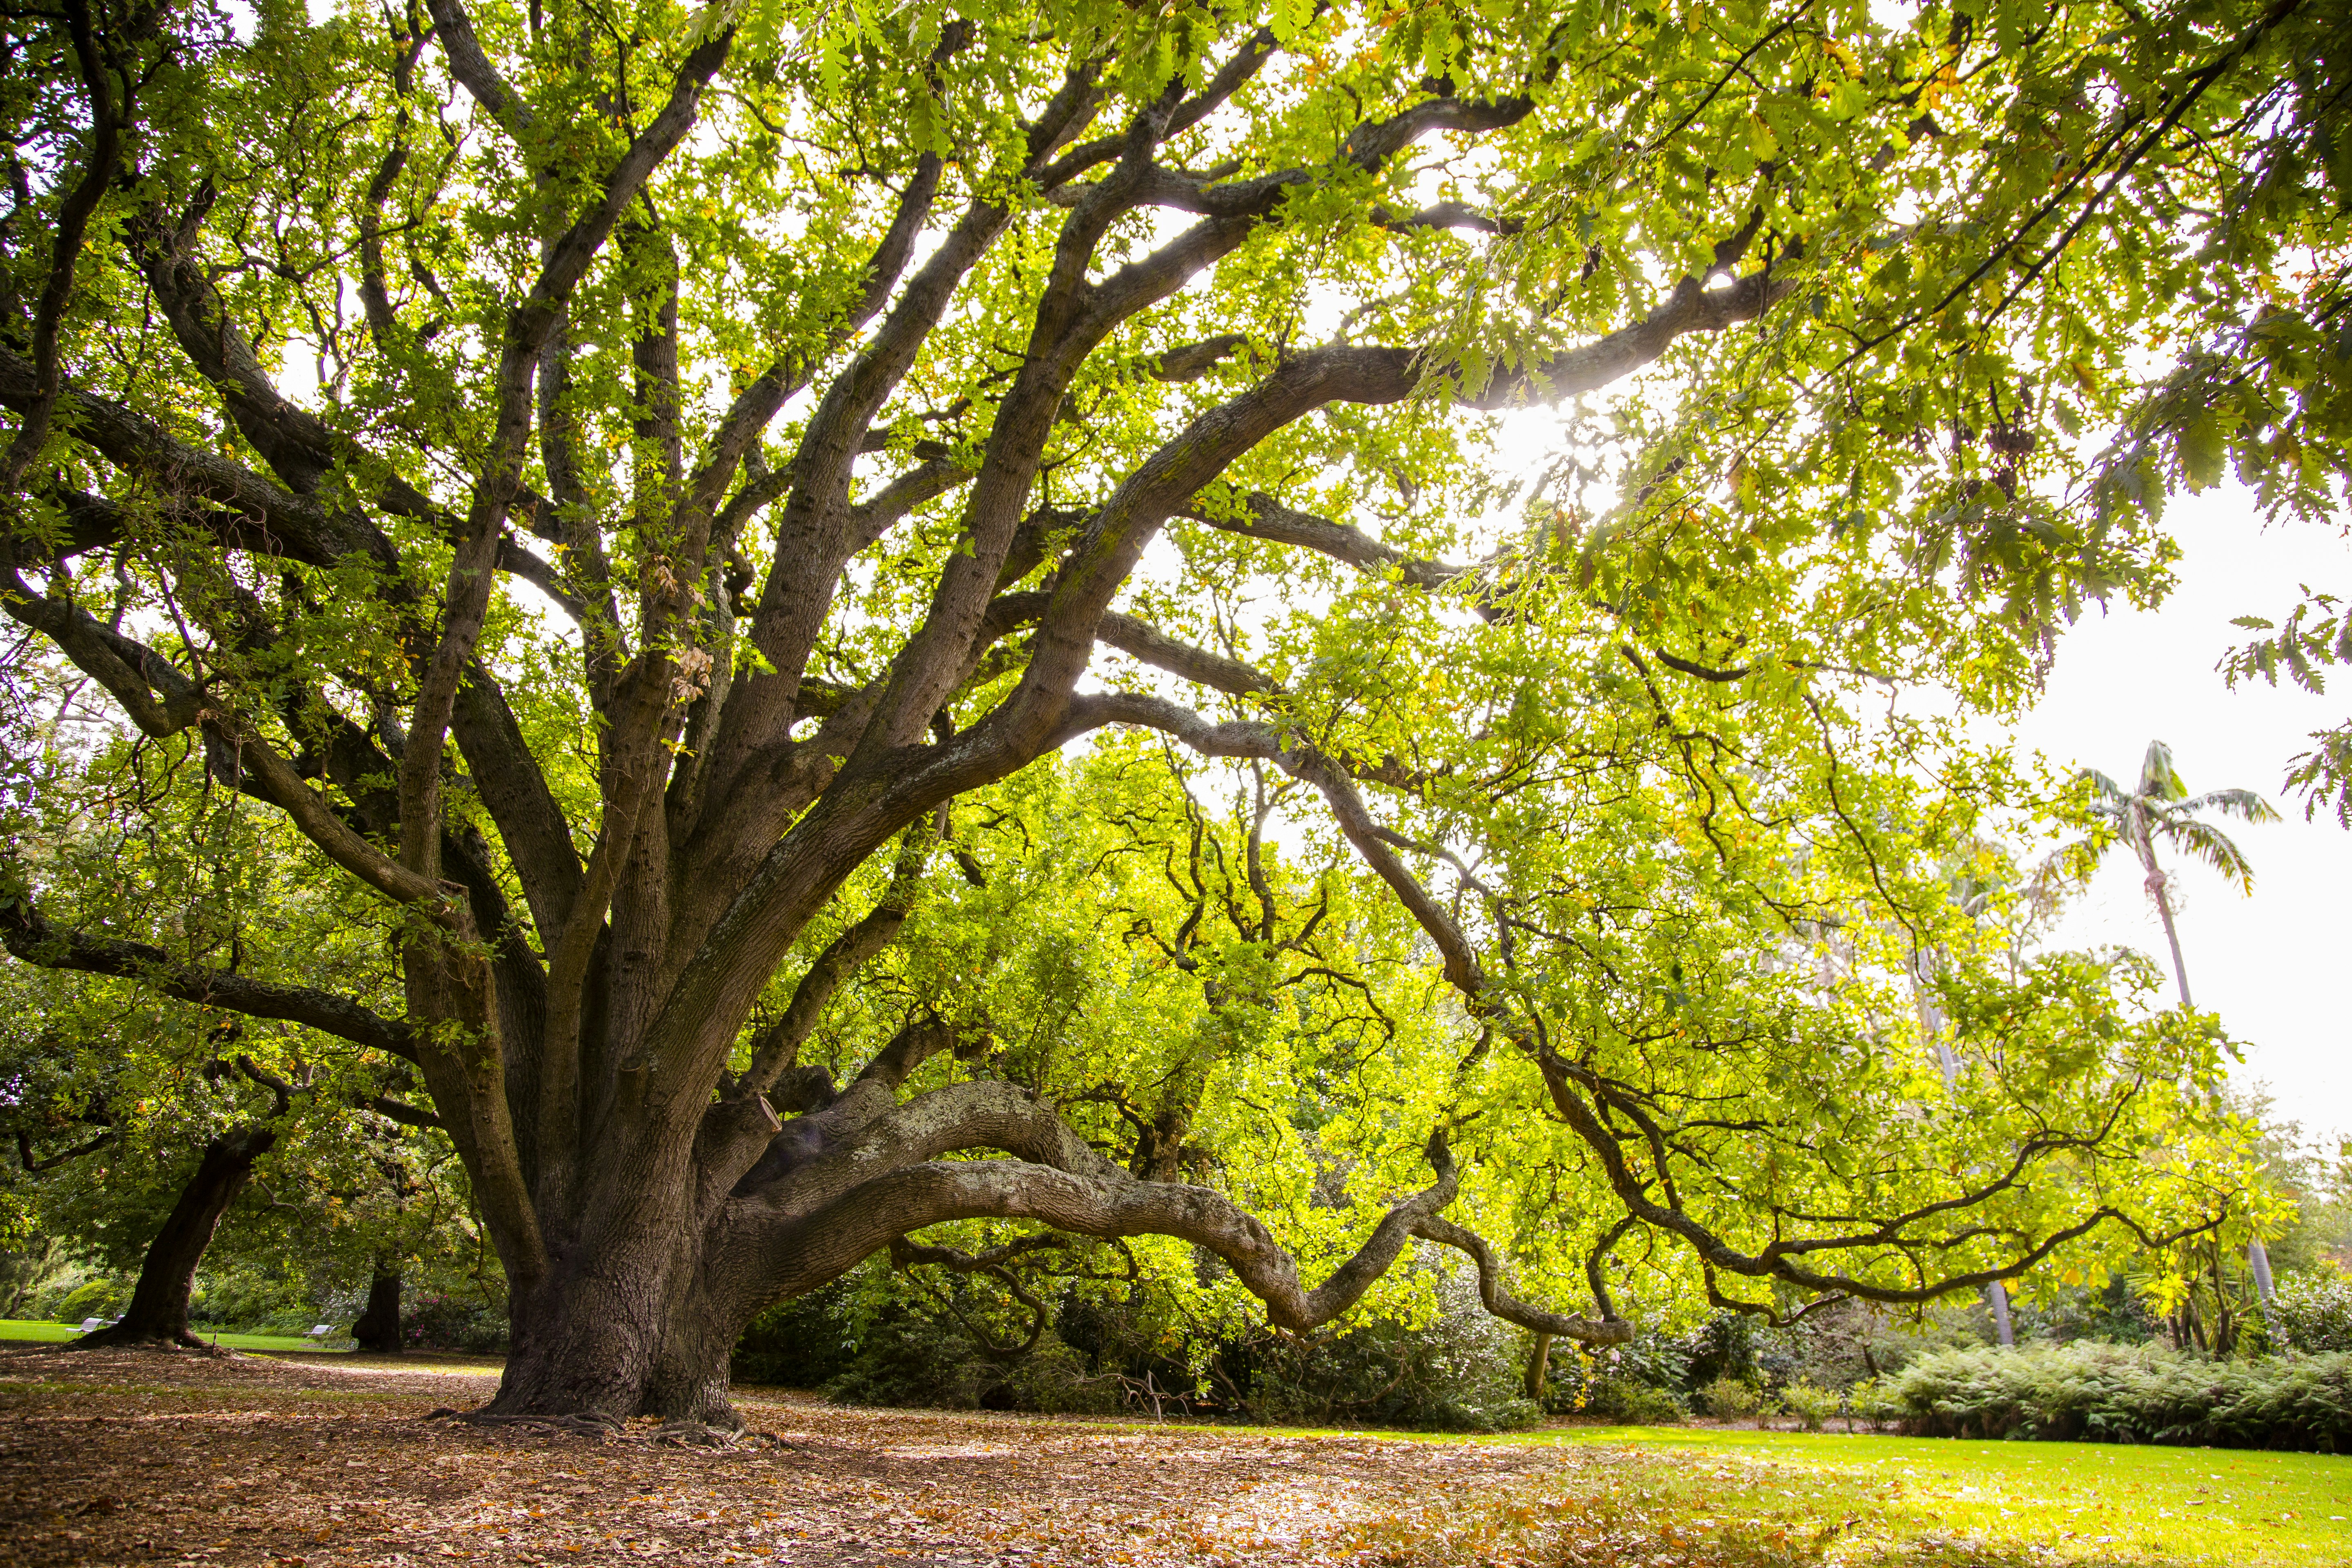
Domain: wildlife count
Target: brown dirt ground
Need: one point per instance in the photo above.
(131, 1457)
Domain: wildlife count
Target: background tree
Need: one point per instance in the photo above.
(2160, 807)
(630, 495)
(144, 1118)
(144, 1145)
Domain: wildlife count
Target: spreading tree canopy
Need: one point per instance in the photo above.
(908, 616)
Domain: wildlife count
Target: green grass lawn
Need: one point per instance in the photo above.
(24, 1328)
(1718, 1496)
(2086, 1502)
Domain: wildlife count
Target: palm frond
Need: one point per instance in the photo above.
(2110, 793)
(2242, 803)
(2203, 841)
(2159, 779)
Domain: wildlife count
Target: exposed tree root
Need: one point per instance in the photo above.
(688, 1433)
(684, 1433)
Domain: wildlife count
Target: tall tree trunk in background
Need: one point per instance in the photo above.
(2258, 1259)
(2155, 889)
(377, 1329)
(1996, 1297)
(157, 1313)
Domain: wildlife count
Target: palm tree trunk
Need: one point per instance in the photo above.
(2156, 890)
(2171, 934)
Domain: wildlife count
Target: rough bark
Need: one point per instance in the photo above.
(157, 1313)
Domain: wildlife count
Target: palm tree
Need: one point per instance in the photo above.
(2162, 810)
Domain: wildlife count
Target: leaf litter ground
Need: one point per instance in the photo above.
(147, 1457)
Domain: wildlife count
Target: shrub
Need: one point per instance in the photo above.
(1729, 1399)
(804, 1342)
(1809, 1404)
(2137, 1393)
(862, 1344)
(1867, 1401)
(33, 1274)
(907, 1359)
(252, 1300)
(1731, 1345)
(2314, 1311)
(1629, 1403)
(1053, 1379)
(1654, 1358)
(2113, 1312)
(99, 1298)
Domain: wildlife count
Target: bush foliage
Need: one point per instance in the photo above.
(862, 1341)
(473, 1325)
(2314, 1311)
(1730, 1399)
(2127, 1394)
(1810, 1403)
(1628, 1402)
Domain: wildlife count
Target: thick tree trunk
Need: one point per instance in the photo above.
(378, 1328)
(575, 1355)
(622, 1326)
(157, 1313)
(583, 1342)
(691, 1376)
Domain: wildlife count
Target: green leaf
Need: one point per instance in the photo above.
(2203, 451)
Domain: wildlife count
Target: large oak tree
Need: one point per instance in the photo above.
(614, 482)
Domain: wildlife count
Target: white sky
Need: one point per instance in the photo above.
(2277, 966)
